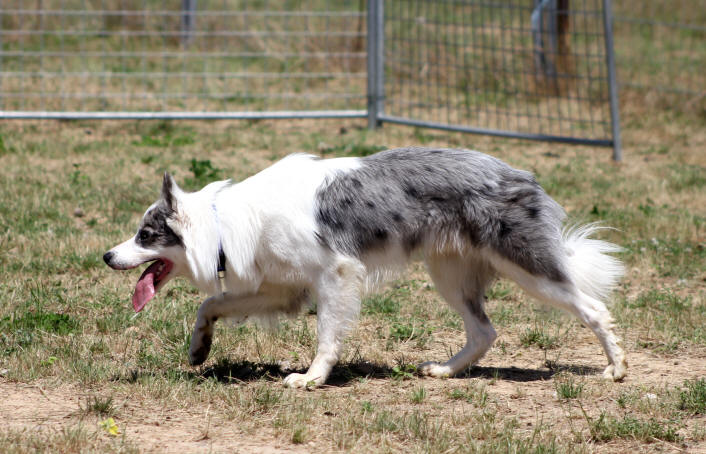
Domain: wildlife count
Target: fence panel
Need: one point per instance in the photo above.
(147, 58)
(514, 68)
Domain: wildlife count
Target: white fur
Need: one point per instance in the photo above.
(591, 268)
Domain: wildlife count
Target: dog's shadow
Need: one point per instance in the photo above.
(516, 374)
(343, 374)
(226, 371)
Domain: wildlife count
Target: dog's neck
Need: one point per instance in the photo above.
(221, 270)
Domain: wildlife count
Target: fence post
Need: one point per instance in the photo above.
(612, 80)
(188, 8)
(376, 65)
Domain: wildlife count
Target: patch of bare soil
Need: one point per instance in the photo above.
(154, 429)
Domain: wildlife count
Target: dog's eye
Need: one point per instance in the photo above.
(143, 235)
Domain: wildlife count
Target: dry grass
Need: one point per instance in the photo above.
(72, 353)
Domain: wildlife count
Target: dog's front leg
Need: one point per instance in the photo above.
(225, 305)
(209, 311)
(338, 308)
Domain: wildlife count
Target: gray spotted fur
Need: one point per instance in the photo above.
(413, 195)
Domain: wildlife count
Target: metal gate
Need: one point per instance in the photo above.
(539, 69)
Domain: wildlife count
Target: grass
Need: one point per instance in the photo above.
(693, 398)
(607, 428)
(67, 327)
(568, 388)
(537, 336)
(670, 319)
(102, 406)
(477, 395)
(79, 438)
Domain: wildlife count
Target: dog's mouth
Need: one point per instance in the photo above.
(150, 282)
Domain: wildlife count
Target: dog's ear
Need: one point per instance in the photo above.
(170, 191)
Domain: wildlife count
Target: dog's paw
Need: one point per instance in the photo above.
(434, 369)
(199, 350)
(301, 381)
(616, 372)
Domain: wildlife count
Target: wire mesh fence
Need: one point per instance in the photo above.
(661, 50)
(519, 68)
(171, 56)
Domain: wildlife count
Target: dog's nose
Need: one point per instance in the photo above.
(107, 257)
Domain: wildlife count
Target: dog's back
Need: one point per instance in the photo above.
(441, 200)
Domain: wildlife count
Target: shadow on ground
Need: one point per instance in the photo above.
(227, 371)
(526, 375)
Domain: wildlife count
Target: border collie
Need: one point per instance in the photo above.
(329, 229)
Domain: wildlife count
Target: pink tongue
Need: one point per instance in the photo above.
(144, 289)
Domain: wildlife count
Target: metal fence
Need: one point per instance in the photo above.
(539, 69)
(182, 59)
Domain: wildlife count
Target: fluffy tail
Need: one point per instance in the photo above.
(592, 270)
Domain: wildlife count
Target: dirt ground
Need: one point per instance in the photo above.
(522, 388)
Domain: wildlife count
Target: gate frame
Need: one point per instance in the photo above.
(376, 89)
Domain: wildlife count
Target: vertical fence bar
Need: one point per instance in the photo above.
(612, 80)
(372, 54)
(188, 9)
(380, 57)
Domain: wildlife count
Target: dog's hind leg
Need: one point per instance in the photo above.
(565, 295)
(462, 283)
(594, 314)
(338, 306)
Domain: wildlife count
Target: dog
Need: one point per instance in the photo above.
(327, 230)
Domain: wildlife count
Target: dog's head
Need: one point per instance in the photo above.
(158, 240)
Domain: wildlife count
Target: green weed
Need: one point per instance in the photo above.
(403, 370)
(568, 388)
(203, 172)
(693, 398)
(404, 332)
(537, 336)
(418, 395)
(381, 304)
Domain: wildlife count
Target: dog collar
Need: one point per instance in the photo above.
(221, 269)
